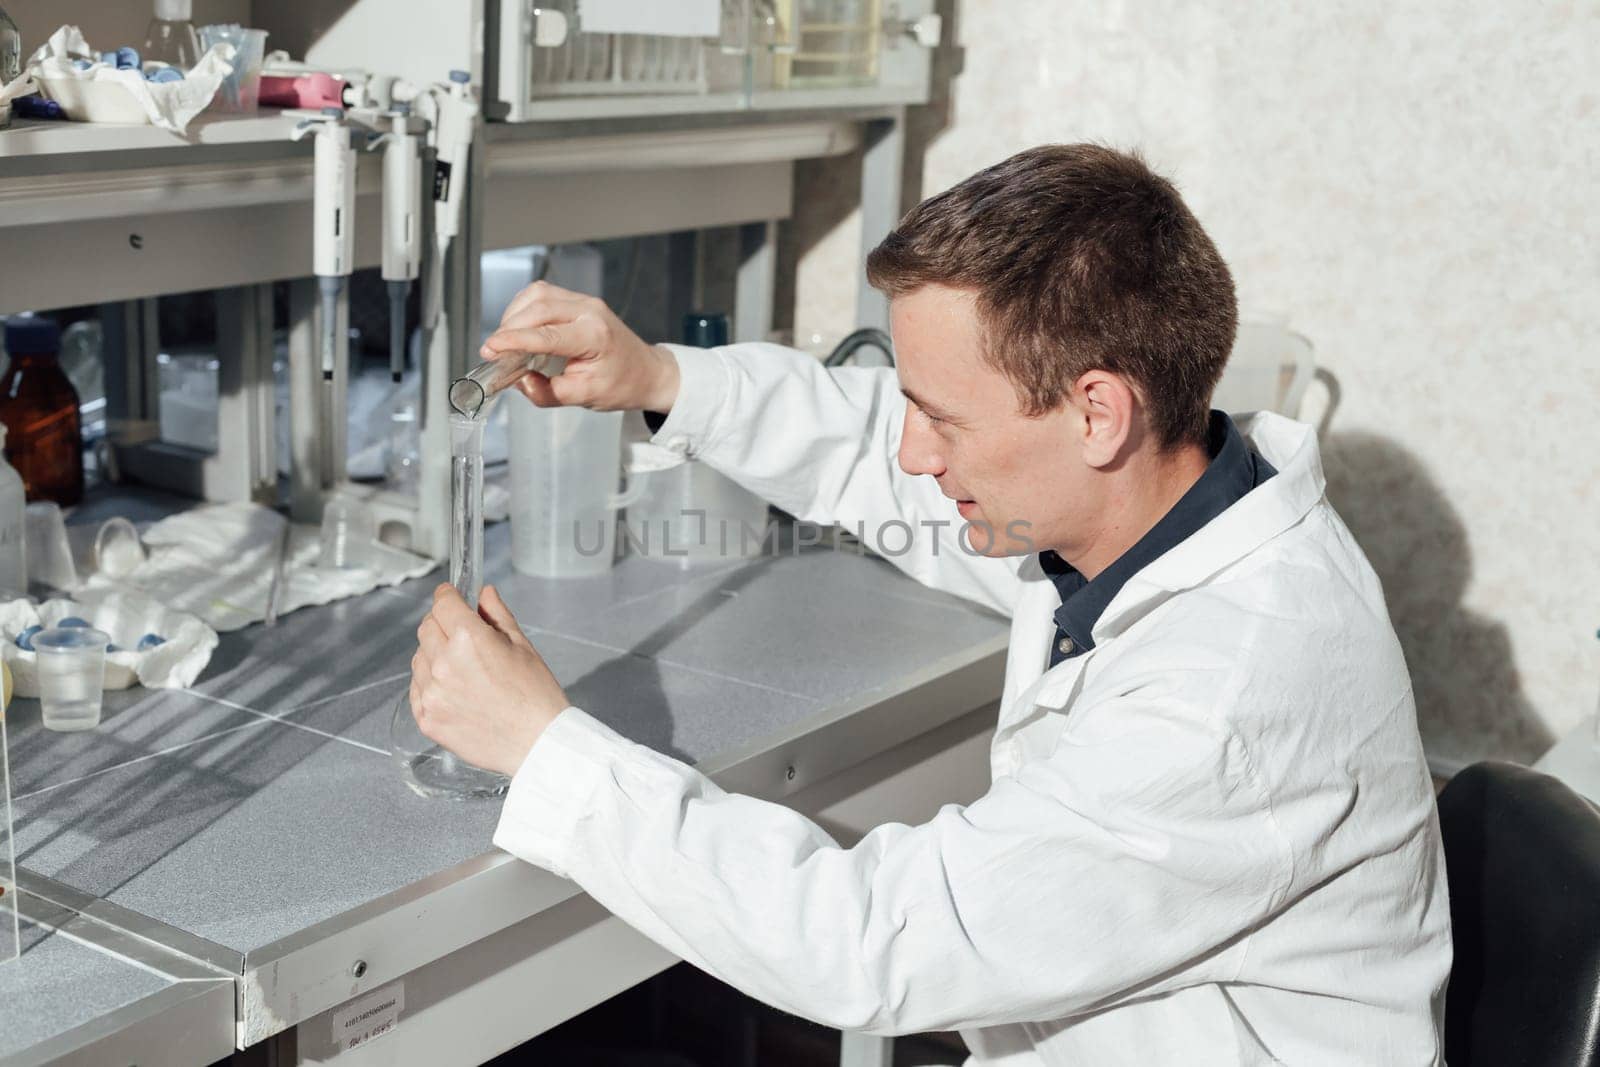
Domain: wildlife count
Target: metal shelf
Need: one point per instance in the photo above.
(104, 213)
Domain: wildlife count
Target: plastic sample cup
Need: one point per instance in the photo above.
(239, 91)
(71, 662)
(349, 528)
(118, 552)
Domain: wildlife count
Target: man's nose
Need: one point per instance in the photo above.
(919, 448)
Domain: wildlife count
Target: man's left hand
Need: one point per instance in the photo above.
(478, 687)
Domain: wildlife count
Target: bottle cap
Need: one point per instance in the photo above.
(705, 329)
(32, 335)
(174, 10)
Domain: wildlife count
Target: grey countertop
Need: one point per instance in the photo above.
(262, 801)
(60, 983)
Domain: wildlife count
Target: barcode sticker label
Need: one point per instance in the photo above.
(370, 1017)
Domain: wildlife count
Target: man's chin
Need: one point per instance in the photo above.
(983, 538)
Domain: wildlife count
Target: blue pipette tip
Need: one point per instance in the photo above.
(460, 77)
(333, 112)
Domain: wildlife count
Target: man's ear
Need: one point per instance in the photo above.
(1108, 410)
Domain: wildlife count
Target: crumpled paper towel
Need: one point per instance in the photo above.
(169, 105)
(126, 615)
(217, 562)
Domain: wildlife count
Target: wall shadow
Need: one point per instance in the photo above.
(1470, 703)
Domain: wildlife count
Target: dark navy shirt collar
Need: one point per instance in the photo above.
(1234, 470)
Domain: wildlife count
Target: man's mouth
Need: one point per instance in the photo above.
(967, 508)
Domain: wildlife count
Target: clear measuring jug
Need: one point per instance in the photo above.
(565, 465)
(431, 770)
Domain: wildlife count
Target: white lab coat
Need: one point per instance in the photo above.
(1209, 840)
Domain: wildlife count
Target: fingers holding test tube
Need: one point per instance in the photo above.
(608, 366)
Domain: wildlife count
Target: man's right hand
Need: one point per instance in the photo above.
(609, 367)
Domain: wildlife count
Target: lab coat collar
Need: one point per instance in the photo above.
(1260, 515)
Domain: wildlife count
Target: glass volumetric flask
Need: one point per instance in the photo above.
(430, 769)
(470, 394)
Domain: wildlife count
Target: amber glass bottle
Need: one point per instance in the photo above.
(39, 407)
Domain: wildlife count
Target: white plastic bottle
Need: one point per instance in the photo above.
(13, 553)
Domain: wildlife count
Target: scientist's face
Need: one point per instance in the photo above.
(1016, 479)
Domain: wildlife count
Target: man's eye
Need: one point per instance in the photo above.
(933, 420)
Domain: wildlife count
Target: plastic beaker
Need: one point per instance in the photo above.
(348, 530)
(565, 465)
(71, 664)
(118, 552)
(1268, 370)
(240, 89)
(49, 554)
(687, 513)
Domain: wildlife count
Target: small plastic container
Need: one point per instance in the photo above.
(348, 530)
(49, 552)
(72, 673)
(1268, 370)
(118, 552)
(565, 465)
(240, 90)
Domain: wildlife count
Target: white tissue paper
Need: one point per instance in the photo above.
(126, 616)
(105, 94)
(217, 561)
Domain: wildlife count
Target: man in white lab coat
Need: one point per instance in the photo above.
(1210, 837)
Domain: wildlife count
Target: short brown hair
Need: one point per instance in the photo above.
(1081, 258)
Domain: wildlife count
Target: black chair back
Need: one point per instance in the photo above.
(1523, 856)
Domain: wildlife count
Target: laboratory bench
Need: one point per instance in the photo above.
(241, 865)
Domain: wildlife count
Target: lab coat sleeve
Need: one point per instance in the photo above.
(822, 445)
(1082, 880)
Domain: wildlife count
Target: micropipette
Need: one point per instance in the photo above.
(469, 394)
(333, 219)
(402, 230)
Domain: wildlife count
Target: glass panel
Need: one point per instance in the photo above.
(8, 876)
(837, 46)
(623, 64)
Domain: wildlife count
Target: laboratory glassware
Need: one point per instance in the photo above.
(10, 946)
(239, 91)
(49, 553)
(471, 394)
(118, 552)
(13, 524)
(431, 770)
(685, 511)
(40, 409)
(170, 37)
(565, 463)
(349, 528)
(10, 62)
(1268, 370)
(71, 663)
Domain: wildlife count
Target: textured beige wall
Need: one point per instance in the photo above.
(1414, 186)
